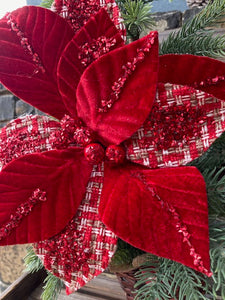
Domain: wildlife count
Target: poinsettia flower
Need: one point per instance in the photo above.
(114, 164)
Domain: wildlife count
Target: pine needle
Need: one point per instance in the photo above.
(195, 38)
(32, 261)
(52, 288)
(137, 17)
(46, 3)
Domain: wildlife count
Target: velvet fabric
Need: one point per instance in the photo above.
(18, 72)
(55, 172)
(136, 97)
(70, 67)
(191, 70)
(136, 204)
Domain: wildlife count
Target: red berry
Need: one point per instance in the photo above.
(94, 153)
(115, 154)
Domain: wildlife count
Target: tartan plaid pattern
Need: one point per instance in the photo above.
(84, 248)
(141, 147)
(27, 134)
(115, 15)
(77, 13)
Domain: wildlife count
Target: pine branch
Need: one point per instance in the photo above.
(32, 261)
(52, 288)
(46, 3)
(217, 255)
(195, 38)
(169, 279)
(137, 17)
(215, 183)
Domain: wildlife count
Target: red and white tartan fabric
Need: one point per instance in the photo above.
(84, 248)
(182, 125)
(78, 12)
(85, 245)
(27, 134)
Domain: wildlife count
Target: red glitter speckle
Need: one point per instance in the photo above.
(180, 226)
(115, 154)
(174, 125)
(128, 69)
(95, 49)
(25, 44)
(94, 153)
(22, 211)
(71, 133)
(209, 81)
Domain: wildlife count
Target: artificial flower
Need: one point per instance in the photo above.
(114, 166)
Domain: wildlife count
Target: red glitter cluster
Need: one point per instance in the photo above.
(180, 226)
(22, 211)
(209, 81)
(25, 135)
(25, 43)
(69, 244)
(128, 69)
(71, 133)
(94, 153)
(115, 154)
(83, 249)
(95, 49)
(174, 125)
(77, 12)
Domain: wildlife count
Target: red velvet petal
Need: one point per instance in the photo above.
(135, 97)
(47, 35)
(150, 209)
(70, 66)
(204, 73)
(63, 175)
(182, 125)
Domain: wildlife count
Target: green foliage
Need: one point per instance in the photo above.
(32, 261)
(53, 284)
(195, 37)
(125, 254)
(46, 3)
(137, 17)
(217, 255)
(52, 288)
(166, 279)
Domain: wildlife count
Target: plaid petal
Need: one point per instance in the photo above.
(78, 12)
(84, 248)
(25, 135)
(182, 125)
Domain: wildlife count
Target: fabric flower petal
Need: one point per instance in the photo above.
(26, 135)
(58, 176)
(30, 51)
(84, 248)
(116, 92)
(162, 211)
(201, 72)
(182, 125)
(97, 37)
(78, 12)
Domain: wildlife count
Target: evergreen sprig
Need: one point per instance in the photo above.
(46, 3)
(52, 288)
(137, 17)
(195, 37)
(217, 255)
(53, 284)
(32, 261)
(168, 280)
